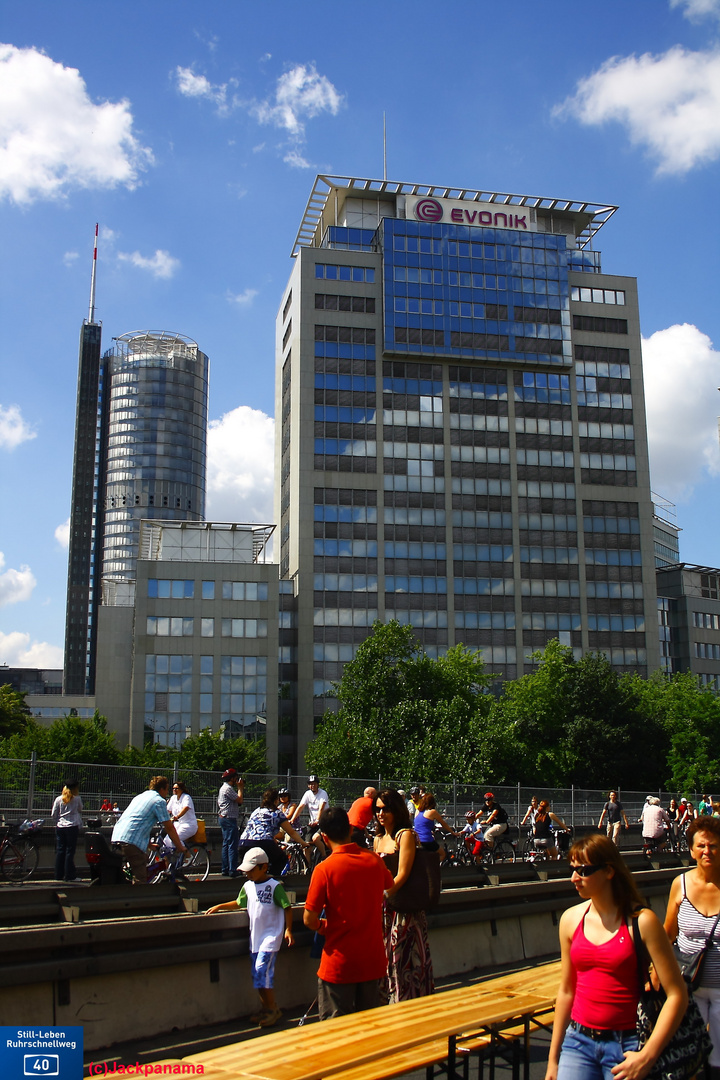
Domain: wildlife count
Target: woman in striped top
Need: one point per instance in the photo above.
(692, 912)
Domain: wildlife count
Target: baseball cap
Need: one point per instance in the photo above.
(414, 790)
(312, 779)
(254, 856)
(683, 800)
(229, 774)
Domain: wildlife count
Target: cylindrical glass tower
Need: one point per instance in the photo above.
(156, 447)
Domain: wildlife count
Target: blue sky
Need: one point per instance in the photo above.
(192, 133)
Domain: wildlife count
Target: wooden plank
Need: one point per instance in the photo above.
(366, 1037)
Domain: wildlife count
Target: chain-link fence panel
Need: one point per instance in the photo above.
(29, 787)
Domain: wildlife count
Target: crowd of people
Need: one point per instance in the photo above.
(371, 925)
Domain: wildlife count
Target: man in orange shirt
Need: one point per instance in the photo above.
(360, 815)
(349, 886)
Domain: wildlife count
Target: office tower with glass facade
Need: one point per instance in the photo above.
(461, 439)
(155, 462)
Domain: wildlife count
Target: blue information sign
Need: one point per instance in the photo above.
(40, 1052)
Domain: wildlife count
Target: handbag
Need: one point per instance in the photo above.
(421, 891)
(691, 964)
(689, 1048)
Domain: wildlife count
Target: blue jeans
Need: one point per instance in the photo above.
(230, 839)
(65, 844)
(583, 1058)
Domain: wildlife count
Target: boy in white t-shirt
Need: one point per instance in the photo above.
(270, 915)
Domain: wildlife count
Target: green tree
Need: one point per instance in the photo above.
(14, 713)
(403, 713)
(209, 750)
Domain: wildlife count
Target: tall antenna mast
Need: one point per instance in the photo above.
(91, 313)
(384, 150)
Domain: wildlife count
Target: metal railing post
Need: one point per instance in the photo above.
(455, 803)
(572, 808)
(518, 807)
(176, 769)
(31, 783)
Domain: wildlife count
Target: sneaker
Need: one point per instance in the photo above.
(271, 1018)
(255, 1018)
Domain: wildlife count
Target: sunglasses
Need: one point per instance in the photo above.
(585, 870)
(380, 809)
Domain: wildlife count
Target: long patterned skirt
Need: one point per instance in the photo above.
(410, 972)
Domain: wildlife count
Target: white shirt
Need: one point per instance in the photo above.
(315, 803)
(176, 803)
(653, 821)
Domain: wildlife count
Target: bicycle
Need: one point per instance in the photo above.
(193, 864)
(504, 851)
(19, 855)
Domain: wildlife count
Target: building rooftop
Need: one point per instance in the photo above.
(595, 214)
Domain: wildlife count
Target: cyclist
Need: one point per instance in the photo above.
(315, 800)
(134, 827)
(654, 823)
(543, 838)
(496, 819)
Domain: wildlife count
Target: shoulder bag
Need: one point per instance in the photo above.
(689, 1048)
(421, 891)
(691, 964)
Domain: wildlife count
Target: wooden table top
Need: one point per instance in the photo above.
(314, 1052)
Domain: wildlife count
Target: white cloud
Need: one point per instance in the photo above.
(62, 534)
(300, 94)
(54, 138)
(296, 160)
(162, 264)
(198, 86)
(17, 650)
(70, 257)
(695, 10)
(15, 585)
(669, 104)
(241, 453)
(682, 374)
(243, 299)
(13, 429)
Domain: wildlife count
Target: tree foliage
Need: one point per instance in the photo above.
(568, 721)
(402, 713)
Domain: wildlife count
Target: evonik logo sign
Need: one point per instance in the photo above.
(460, 213)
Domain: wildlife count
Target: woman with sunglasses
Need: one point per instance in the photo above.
(594, 1034)
(410, 973)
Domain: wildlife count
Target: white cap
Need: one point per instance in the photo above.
(254, 856)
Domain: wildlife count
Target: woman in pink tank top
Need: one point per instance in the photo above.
(594, 1034)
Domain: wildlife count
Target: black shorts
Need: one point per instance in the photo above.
(429, 845)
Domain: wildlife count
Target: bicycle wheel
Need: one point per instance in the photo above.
(195, 865)
(19, 860)
(504, 852)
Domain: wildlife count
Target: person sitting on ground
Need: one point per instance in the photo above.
(132, 830)
(349, 888)
(361, 814)
(496, 819)
(655, 822)
(424, 825)
(270, 917)
(314, 801)
(543, 839)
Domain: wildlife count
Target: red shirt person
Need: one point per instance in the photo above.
(361, 814)
(349, 888)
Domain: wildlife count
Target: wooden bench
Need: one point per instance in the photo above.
(380, 1043)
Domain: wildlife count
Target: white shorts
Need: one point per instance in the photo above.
(708, 1002)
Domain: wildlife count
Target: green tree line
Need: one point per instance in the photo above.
(566, 722)
(71, 738)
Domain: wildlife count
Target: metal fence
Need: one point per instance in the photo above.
(28, 788)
